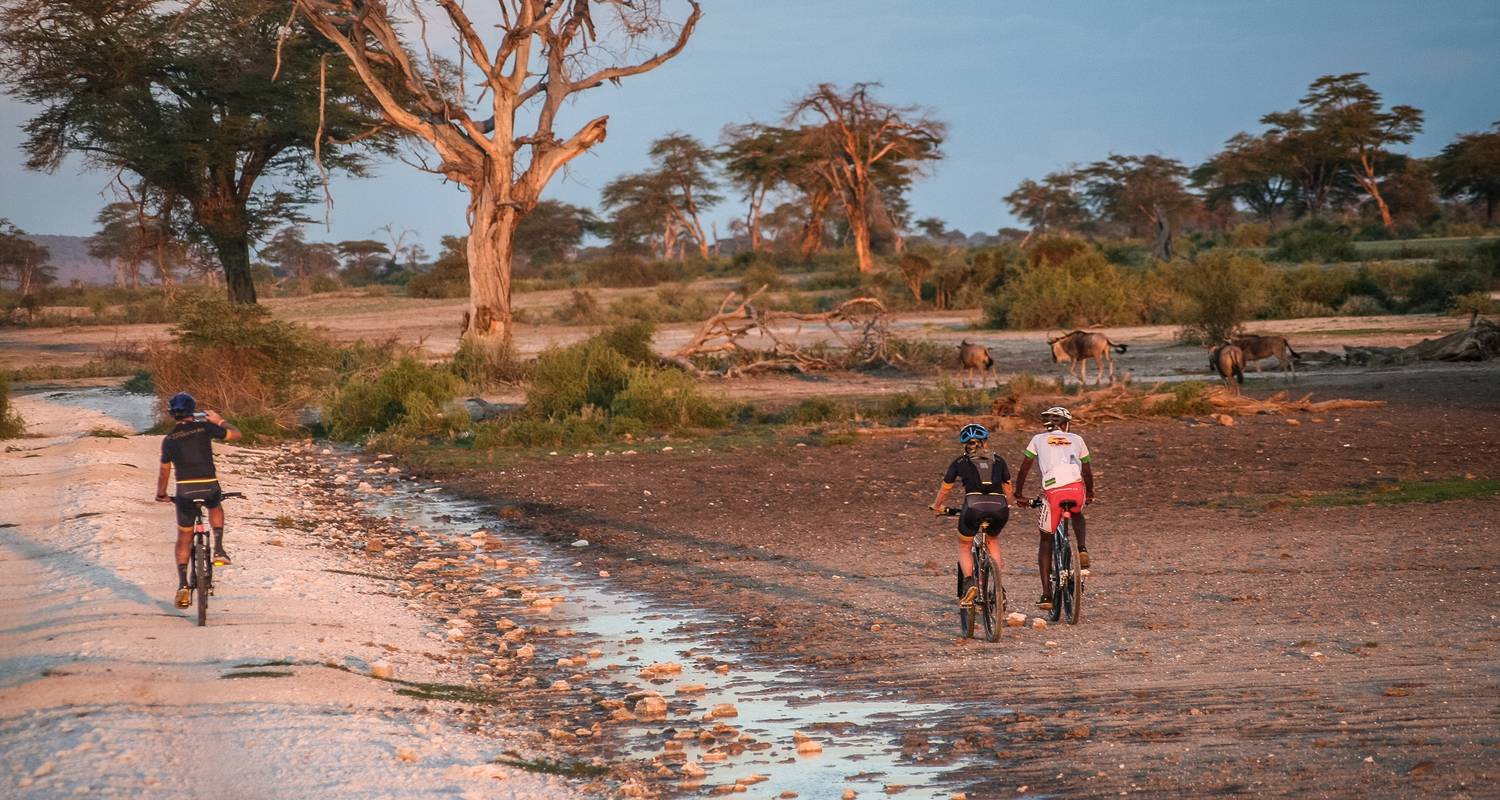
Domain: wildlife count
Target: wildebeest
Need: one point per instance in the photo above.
(1079, 346)
(1229, 361)
(1258, 348)
(974, 358)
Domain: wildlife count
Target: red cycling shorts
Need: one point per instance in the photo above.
(1053, 500)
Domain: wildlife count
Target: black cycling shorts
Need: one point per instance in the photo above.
(979, 507)
(187, 512)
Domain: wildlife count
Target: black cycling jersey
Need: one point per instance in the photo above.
(969, 470)
(189, 449)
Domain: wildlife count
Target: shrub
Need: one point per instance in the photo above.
(1189, 398)
(1221, 290)
(482, 363)
(814, 410)
(1361, 305)
(1433, 289)
(565, 379)
(632, 340)
(240, 361)
(1298, 309)
(759, 275)
(11, 424)
(667, 399)
(1249, 234)
(1315, 240)
(1082, 290)
(408, 397)
(1473, 304)
(842, 279)
(636, 271)
(582, 306)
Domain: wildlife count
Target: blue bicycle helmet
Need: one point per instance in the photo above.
(973, 432)
(182, 404)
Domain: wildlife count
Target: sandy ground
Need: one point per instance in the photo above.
(106, 689)
(1234, 642)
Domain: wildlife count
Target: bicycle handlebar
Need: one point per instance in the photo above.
(222, 496)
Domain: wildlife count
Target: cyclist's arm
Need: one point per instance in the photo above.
(161, 480)
(1020, 492)
(937, 503)
(1088, 480)
(231, 433)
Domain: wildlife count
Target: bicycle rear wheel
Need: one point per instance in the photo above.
(201, 567)
(991, 600)
(1073, 585)
(1059, 571)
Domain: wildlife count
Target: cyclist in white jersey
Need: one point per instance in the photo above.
(1063, 460)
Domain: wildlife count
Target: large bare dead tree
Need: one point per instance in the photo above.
(540, 53)
(855, 136)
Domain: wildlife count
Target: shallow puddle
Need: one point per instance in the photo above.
(138, 411)
(857, 744)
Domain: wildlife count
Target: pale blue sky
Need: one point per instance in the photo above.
(1026, 87)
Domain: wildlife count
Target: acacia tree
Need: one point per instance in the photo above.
(1345, 115)
(683, 165)
(362, 260)
(542, 52)
(1250, 170)
(25, 261)
(120, 242)
(1052, 204)
(851, 135)
(642, 214)
(758, 159)
(553, 231)
(1469, 169)
(1144, 193)
(181, 95)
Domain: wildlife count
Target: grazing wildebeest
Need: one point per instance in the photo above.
(1079, 346)
(1258, 348)
(1229, 361)
(974, 358)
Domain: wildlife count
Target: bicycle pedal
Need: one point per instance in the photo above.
(1085, 573)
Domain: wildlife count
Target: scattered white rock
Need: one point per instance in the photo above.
(581, 543)
(382, 669)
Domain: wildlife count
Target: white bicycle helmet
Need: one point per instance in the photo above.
(1055, 415)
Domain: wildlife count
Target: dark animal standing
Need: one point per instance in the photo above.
(974, 358)
(1259, 348)
(1229, 361)
(1079, 346)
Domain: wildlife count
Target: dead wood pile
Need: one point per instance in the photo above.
(1121, 402)
(1479, 342)
(743, 338)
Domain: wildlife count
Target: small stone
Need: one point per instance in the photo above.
(692, 688)
(382, 670)
(407, 755)
(1292, 422)
(1038, 623)
(1225, 420)
(525, 652)
(1077, 732)
(723, 710)
(364, 486)
(850, 794)
(1015, 619)
(560, 686)
(44, 770)
(692, 770)
(1050, 643)
(651, 707)
(374, 546)
(580, 542)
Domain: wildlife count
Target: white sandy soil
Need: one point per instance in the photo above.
(106, 689)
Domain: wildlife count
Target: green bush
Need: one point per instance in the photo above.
(1434, 289)
(11, 424)
(667, 399)
(1249, 234)
(622, 270)
(485, 364)
(1473, 304)
(758, 275)
(1315, 240)
(1362, 305)
(632, 340)
(814, 410)
(1189, 398)
(566, 379)
(1083, 289)
(408, 397)
(1220, 290)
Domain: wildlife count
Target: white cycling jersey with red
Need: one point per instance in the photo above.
(1059, 456)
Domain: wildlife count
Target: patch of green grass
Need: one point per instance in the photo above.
(261, 673)
(568, 769)
(422, 690)
(1439, 490)
(360, 574)
(259, 664)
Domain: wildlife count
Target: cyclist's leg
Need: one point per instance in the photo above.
(216, 521)
(965, 556)
(186, 514)
(1078, 531)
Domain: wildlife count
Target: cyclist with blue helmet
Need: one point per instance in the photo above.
(189, 448)
(987, 497)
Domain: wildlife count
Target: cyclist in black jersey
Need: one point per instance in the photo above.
(987, 497)
(189, 448)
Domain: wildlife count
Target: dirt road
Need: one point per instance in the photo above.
(1242, 634)
(106, 689)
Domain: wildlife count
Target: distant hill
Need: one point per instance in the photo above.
(70, 255)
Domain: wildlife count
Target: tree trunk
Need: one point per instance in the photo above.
(491, 233)
(1161, 249)
(1367, 180)
(756, 199)
(812, 231)
(234, 255)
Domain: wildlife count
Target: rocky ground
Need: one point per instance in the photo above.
(1243, 633)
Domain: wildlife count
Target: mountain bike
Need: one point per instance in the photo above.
(989, 604)
(201, 569)
(1067, 575)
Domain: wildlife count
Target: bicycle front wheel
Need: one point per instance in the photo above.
(1073, 586)
(201, 567)
(1059, 571)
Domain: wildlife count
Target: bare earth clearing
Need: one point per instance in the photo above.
(1234, 641)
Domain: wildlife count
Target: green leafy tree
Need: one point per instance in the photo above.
(684, 166)
(1469, 169)
(1345, 121)
(362, 260)
(1252, 171)
(642, 216)
(183, 96)
(553, 231)
(293, 257)
(1145, 194)
(1053, 204)
(120, 241)
(758, 159)
(23, 261)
